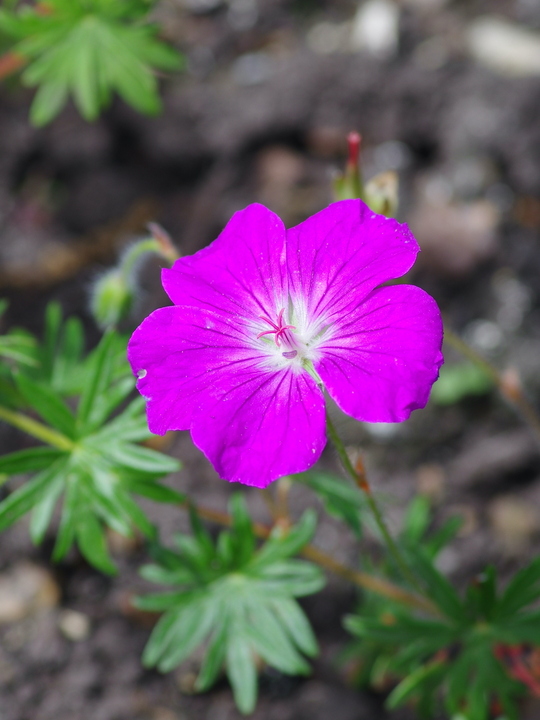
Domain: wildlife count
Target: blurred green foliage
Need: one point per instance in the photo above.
(88, 49)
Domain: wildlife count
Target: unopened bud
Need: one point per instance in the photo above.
(354, 142)
(348, 186)
(382, 193)
(111, 298)
(510, 384)
(164, 242)
(114, 292)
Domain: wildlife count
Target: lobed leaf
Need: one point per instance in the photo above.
(340, 499)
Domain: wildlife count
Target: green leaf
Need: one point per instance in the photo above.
(413, 683)
(272, 643)
(438, 587)
(213, 657)
(167, 575)
(340, 499)
(24, 498)
(404, 631)
(48, 102)
(243, 529)
(160, 636)
(458, 381)
(293, 577)
(140, 458)
(68, 356)
(106, 402)
(43, 511)
(297, 625)
(417, 519)
(193, 625)
(241, 671)
(92, 543)
(23, 461)
(522, 628)
(440, 539)
(160, 493)
(245, 607)
(97, 383)
(130, 426)
(523, 589)
(47, 404)
(283, 544)
(68, 522)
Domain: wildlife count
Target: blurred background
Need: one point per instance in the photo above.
(444, 92)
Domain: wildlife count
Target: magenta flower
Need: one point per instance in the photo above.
(264, 315)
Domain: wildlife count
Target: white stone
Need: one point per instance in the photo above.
(375, 28)
(504, 47)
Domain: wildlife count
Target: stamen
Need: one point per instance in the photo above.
(278, 330)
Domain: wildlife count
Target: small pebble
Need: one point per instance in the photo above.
(25, 589)
(73, 625)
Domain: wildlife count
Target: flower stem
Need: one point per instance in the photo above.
(36, 429)
(310, 552)
(511, 391)
(359, 479)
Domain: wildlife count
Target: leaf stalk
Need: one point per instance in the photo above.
(361, 482)
(36, 429)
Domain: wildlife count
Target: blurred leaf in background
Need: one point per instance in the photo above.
(468, 656)
(459, 381)
(88, 49)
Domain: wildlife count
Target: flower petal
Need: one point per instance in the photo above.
(243, 272)
(256, 427)
(177, 352)
(338, 256)
(382, 360)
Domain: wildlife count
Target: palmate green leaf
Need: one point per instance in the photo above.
(242, 606)
(89, 49)
(94, 480)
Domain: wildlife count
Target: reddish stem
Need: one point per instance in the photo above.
(10, 62)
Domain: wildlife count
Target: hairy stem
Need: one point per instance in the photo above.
(36, 429)
(310, 552)
(512, 392)
(359, 479)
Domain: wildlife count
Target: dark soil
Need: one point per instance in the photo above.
(261, 115)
